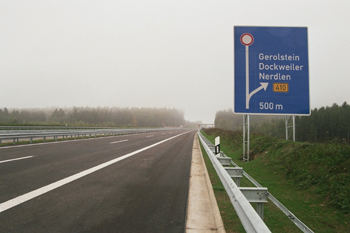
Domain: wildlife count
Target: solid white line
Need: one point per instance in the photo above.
(120, 141)
(10, 160)
(28, 196)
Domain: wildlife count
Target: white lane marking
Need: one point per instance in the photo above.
(120, 141)
(150, 136)
(28, 196)
(10, 160)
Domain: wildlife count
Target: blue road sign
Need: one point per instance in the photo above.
(271, 70)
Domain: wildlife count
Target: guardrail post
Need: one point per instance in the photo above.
(256, 195)
(44, 138)
(260, 210)
(31, 140)
(225, 161)
(235, 172)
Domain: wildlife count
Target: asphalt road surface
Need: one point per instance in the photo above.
(135, 183)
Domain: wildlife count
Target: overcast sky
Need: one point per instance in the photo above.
(155, 53)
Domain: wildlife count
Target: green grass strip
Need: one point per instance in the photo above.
(308, 207)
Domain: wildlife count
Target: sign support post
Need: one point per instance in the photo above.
(246, 138)
(288, 119)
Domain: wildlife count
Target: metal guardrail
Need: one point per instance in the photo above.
(284, 209)
(56, 128)
(16, 135)
(274, 200)
(250, 219)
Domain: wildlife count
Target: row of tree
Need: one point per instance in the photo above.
(266, 124)
(323, 125)
(130, 117)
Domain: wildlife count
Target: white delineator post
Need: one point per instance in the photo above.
(217, 145)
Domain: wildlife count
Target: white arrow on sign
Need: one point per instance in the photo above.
(263, 86)
(247, 40)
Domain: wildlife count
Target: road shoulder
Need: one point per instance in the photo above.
(203, 214)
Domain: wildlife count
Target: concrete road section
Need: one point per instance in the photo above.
(203, 214)
(136, 183)
(130, 183)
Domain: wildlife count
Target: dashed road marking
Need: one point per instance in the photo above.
(119, 141)
(10, 160)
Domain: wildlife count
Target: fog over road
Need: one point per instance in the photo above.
(130, 183)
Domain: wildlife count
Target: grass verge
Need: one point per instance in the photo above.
(307, 206)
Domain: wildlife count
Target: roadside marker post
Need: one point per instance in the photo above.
(217, 145)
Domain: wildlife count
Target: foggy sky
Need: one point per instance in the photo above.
(155, 53)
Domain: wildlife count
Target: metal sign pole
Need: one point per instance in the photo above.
(286, 124)
(244, 116)
(287, 120)
(246, 138)
(293, 128)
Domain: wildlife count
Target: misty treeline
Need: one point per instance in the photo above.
(325, 124)
(86, 116)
